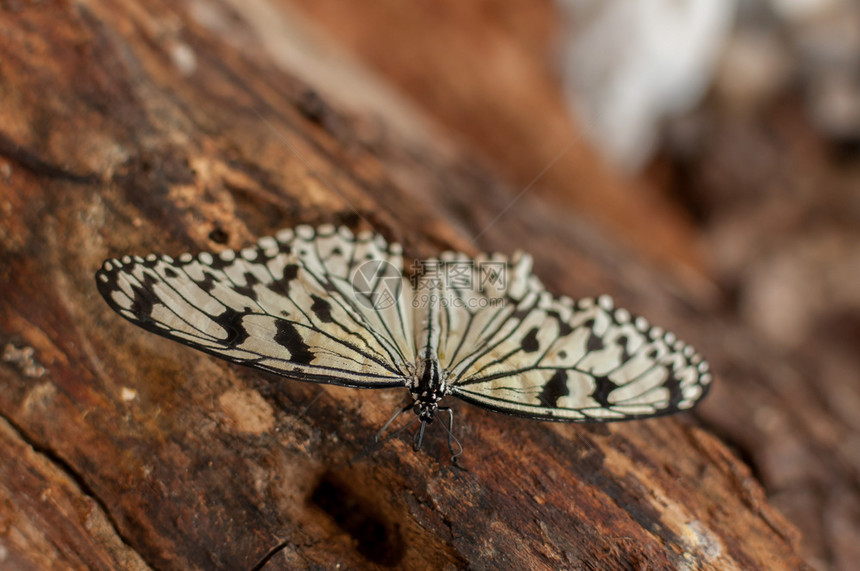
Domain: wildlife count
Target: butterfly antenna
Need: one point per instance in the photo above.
(451, 438)
(306, 408)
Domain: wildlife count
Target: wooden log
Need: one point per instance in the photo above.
(127, 128)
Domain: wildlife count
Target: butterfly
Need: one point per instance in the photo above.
(326, 305)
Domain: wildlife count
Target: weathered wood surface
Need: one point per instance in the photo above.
(151, 126)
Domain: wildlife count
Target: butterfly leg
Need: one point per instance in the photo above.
(451, 438)
(390, 420)
(306, 408)
(419, 436)
(378, 439)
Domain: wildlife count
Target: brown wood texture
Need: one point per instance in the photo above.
(127, 128)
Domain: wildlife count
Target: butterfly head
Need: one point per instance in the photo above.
(425, 407)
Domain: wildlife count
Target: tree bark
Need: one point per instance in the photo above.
(129, 128)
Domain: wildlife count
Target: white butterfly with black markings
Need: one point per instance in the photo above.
(325, 305)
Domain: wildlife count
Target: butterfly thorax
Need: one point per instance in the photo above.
(428, 385)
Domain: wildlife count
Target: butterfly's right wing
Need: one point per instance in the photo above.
(516, 348)
(287, 305)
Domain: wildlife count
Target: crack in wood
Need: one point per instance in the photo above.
(85, 488)
(38, 166)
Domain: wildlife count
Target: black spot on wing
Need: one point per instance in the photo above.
(595, 343)
(218, 263)
(248, 289)
(170, 272)
(674, 386)
(143, 300)
(281, 286)
(603, 387)
(622, 342)
(231, 321)
(530, 343)
(520, 312)
(554, 389)
(291, 272)
(207, 284)
(288, 337)
(564, 328)
(322, 309)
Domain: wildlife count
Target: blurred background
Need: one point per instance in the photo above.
(718, 139)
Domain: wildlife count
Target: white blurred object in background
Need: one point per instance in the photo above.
(628, 64)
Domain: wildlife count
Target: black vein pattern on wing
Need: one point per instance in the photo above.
(205, 342)
(381, 359)
(152, 325)
(452, 358)
(475, 378)
(330, 283)
(543, 413)
(452, 362)
(386, 342)
(490, 342)
(248, 312)
(671, 383)
(321, 316)
(672, 405)
(223, 276)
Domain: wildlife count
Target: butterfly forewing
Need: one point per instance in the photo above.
(283, 306)
(363, 277)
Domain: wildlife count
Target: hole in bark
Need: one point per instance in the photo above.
(312, 106)
(219, 236)
(375, 540)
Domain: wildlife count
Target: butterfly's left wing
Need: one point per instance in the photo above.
(288, 305)
(535, 355)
